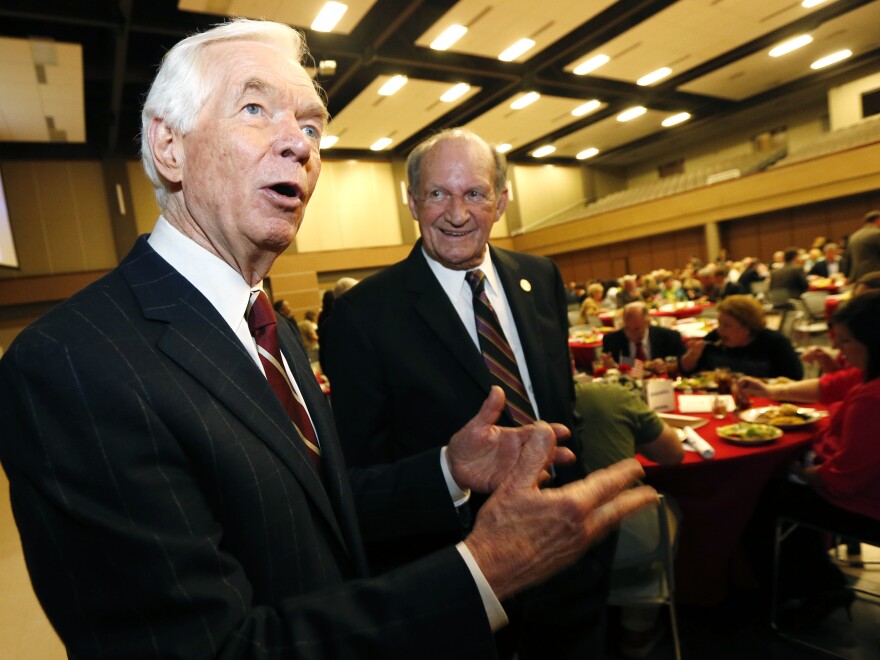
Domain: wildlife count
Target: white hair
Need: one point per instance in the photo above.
(181, 86)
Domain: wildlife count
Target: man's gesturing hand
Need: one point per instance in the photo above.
(481, 454)
(524, 534)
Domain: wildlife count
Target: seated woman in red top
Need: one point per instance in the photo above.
(842, 480)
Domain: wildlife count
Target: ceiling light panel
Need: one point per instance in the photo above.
(299, 14)
(685, 35)
(519, 127)
(856, 31)
(609, 133)
(493, 27)
(412, 108)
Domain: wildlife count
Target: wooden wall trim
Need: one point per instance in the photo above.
(45, 288)
(828, 177)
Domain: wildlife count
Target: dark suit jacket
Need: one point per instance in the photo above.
(820, 268)
(405, 375)
(663, 342)
(165, 511)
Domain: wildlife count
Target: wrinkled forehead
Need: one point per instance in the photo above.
(235, 68)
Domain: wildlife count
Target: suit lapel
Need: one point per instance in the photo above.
(433, 305)
(200, 342)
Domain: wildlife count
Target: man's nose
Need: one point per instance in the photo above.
(292, 142)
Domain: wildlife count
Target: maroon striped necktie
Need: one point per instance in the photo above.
(497, 353)
(264, 329)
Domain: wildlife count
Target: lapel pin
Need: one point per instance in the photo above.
(525, 285)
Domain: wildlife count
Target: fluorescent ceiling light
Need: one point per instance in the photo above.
(546, 150)
(834, 58)
(809, 4)
(632, 113)
(503, 148)
(516, 50)
(448, 37)
(587, 153)
(525, 100)
(329, 16)
(392, 85)
(380, 144)
(328, 141)
(586, 108)
(455, 92)
(676, 119)
(792, 44)
(591, 64)
(654, 76)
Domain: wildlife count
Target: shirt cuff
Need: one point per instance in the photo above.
(459, 496)
(494, 611)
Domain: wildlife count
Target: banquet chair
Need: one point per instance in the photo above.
(841, 524)
(814, 302)
(643, 576)
(804, 325)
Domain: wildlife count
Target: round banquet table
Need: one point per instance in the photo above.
(831, 304)
(717, 498)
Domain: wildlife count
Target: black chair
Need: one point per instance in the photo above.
(837, 523)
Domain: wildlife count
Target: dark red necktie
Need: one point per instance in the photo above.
(497, 353)
(264, 329)
(640, 352)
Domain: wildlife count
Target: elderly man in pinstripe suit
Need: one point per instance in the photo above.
(166, 503)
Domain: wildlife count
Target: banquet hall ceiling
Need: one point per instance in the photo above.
(73, 72)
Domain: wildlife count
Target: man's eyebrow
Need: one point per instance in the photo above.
(315, 109)
(255, 85)
(308, 109)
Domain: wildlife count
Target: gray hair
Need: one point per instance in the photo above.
(181, 86)
(414, 160)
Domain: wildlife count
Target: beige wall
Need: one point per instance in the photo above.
(542, 191)
(59, 216)
(354, 206)
(845, 102)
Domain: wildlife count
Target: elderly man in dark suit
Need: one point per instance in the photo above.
(638, 339)
(174, 470)
(408, 347)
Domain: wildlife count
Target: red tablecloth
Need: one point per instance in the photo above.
(717, 498)
(831, 303)
(584, 353)
(674, 310)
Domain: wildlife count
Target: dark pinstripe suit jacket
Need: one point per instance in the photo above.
(165, 512)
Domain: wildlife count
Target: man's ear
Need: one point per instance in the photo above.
(166, 149)
(411, 202)
(502, 204)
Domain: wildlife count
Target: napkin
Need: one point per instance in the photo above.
(702, 403)
(699, 444)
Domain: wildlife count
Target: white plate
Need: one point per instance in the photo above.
(809, 416)
(732, 433)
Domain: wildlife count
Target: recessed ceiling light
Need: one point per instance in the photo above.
(329, 16)
(586, 108)
(328, 141)
(809, 4)
(392, 85)
(503, 148)
(654, 76)
(591, 64)
(792, 44)
(834, 58)
(455, 92)
(380, 144)
(516, 50)
(587, 153)
(546, 150)
(632, 113)
(448, 37)
(524, 100)
(676, 119)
